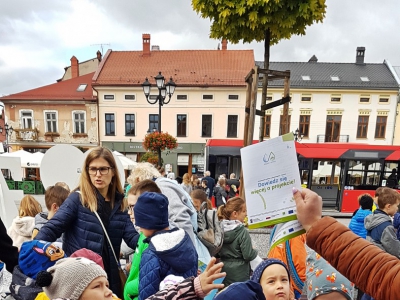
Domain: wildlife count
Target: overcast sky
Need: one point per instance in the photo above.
(38, 38)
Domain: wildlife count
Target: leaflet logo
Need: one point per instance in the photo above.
(269, 158)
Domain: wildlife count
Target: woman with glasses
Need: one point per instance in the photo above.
(99, 190)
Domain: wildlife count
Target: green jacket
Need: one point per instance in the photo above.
(131, 290)
(236, 253)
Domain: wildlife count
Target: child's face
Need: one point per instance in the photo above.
(196, 203)
(275, 283)
(97, 289)
(132, 199)
(240, 215)
(204, 185)
(391, 209)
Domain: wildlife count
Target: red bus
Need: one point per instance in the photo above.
(338, 172)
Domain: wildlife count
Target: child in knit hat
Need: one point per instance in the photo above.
(34, 257)
(75, 278)
(169, 251)
(324, 282)
(270, 280)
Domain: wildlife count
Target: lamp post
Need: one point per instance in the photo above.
(164, 90)
(6, 131)
(298, 136)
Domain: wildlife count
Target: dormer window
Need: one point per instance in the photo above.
(365, 79)
(306, 77)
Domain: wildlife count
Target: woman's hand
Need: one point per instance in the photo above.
(309, 207)
(212, 272)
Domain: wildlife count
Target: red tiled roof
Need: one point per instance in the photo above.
(187, 67)
(63, 90)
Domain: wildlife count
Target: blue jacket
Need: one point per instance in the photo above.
(169, 252)
(396, 224)
(357, 222)
(82, 229)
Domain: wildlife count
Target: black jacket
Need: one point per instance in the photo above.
(8, 253)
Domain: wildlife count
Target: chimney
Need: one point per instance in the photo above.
(360, 56)
(99, 56)
(74, 67)
(224, 44)
(146, 44)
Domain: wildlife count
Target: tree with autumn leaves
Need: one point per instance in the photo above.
(260, 20)
(156, 142)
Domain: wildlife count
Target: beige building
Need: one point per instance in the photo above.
(208, 101)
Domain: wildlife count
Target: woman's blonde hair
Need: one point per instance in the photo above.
(186, 179)
(142, 171)
(233, 204)
(29, 207)
(88, 190)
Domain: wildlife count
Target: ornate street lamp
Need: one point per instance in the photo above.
(6, 131)
(298, 136)
(164, 90)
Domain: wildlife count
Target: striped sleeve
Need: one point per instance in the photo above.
(181, 291)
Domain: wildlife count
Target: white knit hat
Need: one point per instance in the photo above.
(69, 277)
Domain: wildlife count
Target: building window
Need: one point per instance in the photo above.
(27, 119)
(51, 121)
(81, 88)
(206, 124)
(110, 124)
(306, 77)
(108, 97)
(364, 99)
(233, 97)
(79, 121)
(304, 125)
(181, 125)
(365, 79)
(306, 98)
(384, 99)
(332, 131)
(380, 129)
(281, 125)
(267, 128)
(232, 126)
(181, 97)
(337, 98)
(335, 78)
(153, 123)
(129, 124)
(362, 127)
(269, 97)
(130, 97)
(208, 97)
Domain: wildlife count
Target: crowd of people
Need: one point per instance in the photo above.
(72, 251)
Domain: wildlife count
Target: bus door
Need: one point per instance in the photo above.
(326, 181)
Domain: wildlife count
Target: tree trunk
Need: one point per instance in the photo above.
(267, 45)
(159, 157)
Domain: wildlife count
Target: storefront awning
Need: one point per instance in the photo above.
(320, 153)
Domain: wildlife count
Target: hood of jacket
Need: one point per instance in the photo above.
(40, 219)
(375, 219)
(231, 230)
(173, 246)
(23, 226)
(361, 214)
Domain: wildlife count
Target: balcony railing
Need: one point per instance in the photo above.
(322, 138)
(27, 134)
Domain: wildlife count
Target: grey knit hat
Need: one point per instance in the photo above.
(69, 277)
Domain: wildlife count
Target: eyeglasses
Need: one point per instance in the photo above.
(102, 170)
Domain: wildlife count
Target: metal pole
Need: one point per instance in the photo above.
(159, 111)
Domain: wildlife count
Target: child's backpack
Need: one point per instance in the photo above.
(209, 229)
